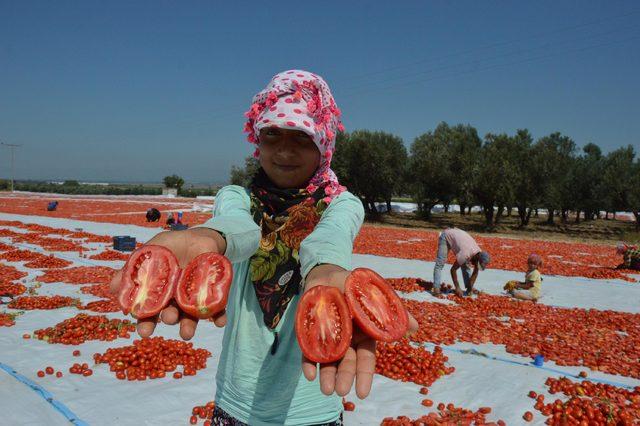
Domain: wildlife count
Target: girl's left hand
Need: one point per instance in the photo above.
(359, 362)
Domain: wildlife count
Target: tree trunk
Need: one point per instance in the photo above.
(578, 216)
(426, 210)
(550, 215)
(637, 215)
(528, 218)
(565, 216)
(606, 215)
(462, 207)
(499, 214)
(509, 209)
(388, 206)
(488, 215)
(469, 209)
(522, 212)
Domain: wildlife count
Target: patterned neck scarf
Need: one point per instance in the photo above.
(297, 100)
(286, 217)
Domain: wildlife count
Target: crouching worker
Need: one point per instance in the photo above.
(153, 215)
(468, 255)
(630, 257)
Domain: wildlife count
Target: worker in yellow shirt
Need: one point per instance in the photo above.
(530, 288)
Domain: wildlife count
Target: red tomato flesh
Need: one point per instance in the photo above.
(323, 324)
(204, 285)
(375, 307)
(148, 281)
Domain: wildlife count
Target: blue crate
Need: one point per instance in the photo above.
(124, 243)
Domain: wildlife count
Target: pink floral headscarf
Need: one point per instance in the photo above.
(300, 100)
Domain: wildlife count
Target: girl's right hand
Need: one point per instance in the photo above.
(185, 245)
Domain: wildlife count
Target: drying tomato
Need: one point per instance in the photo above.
(148, 281)
(376, 308)
(323, 324)
(204, 285)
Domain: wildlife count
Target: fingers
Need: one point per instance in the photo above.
(328, 378)
(170, 315)
(413, 326)
(346, 373)
(114, 285)
(309, 369)
(220, 319)
(365, 367)
(146, 326)
(188, 326)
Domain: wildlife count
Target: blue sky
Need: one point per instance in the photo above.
(133, 91)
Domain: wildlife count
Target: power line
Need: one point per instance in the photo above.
(12, 147)
(479, 69)
(497, 44)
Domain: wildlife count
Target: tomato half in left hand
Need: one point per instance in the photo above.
(148, 281)
(375, 306)
(204, 285)
(323, 324)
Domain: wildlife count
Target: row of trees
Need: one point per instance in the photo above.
(74, 187)
(500, 173)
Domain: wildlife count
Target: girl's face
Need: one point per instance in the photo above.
(532, 265)
(289, 157)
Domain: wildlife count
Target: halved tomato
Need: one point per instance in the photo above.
(375, 306)
(323, 324)
(148, 281)
(204, 285)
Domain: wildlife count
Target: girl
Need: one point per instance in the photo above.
(291, 230)
(530, 288)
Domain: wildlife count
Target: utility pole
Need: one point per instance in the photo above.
(12, 147)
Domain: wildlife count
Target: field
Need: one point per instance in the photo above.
(470, 361)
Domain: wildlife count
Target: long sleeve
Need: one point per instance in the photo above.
(332, 239)
(232, 218)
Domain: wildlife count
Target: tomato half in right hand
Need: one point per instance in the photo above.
(203, 287)
(375, 306)
(323, 324)
(148, 281)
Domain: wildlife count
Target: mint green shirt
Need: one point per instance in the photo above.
(254, 386)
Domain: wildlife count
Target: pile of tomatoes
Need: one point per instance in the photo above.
(9, 273)
(34, 259)
(48, 243)
(153, 358)
(110, 255)
(204, 412)
(81, 369)
(592, 403)
(607, 341)
(104, 305)
(122, 210)
(79, 275)
(20, 256)
(99, 290)
(5, 247)
(401, 361)
(47, 262)
(10, 289)
(83, 327)
(408, 285)
(42, 302)
(447, 414)
(560, 258)
(7, 320)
